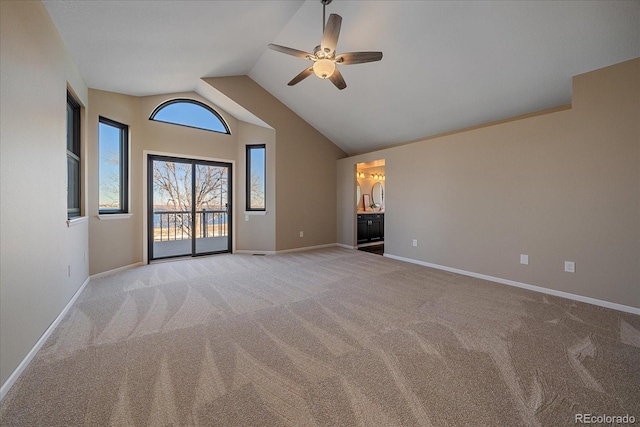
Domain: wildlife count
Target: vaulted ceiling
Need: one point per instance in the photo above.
(447, 64)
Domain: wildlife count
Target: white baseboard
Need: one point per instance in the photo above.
(288, 251)
(580, 298)
(115, 270)
(47, 333)
(27, 359)
(250, 252)
(306, 248)
(342, 245)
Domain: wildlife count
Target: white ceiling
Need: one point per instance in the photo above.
(447, 65)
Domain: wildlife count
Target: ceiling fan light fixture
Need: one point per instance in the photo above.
(324, 55)
(324, 68)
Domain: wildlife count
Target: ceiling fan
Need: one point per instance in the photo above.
(324, 56)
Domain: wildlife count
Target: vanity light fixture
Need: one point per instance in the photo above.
(359, 174)
(377, 176)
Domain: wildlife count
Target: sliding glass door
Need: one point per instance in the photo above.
(189, 207)
(212, 208)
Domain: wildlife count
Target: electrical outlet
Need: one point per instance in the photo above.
(302, 234)
(246, 217)
(570, 266)
(524, 259)
(415, 242)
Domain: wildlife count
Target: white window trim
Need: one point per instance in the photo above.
(77, 221)
(105, 217)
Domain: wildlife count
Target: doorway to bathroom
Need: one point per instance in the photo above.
(370, 206)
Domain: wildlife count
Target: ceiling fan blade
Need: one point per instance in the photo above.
(289, 51)
(337, 79)
(350, 58)
(300, 77)
(331, 33)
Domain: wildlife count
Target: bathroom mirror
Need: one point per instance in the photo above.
(377, 192)
(358, 191)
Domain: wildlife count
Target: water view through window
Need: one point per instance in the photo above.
(190, 210)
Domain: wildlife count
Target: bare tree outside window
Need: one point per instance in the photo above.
(110, 182)
(172, 184)
(257, 191)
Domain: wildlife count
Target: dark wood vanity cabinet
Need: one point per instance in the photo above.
(370, 228)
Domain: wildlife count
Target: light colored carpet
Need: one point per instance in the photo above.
(330, 337)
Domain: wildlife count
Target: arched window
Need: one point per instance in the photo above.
(190, 113)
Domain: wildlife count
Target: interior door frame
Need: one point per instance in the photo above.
(146, 173)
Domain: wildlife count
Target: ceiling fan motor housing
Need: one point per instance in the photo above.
(321, 54)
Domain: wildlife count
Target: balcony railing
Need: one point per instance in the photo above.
(177, 225)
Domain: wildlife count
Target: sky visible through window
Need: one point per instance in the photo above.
(109, 166)
(257, 172)
(257, 165)
(187, 113)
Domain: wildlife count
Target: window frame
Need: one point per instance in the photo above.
(248, 206)
(74, 155)
(195, 102)
(123, 165)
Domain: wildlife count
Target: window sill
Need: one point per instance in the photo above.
(105, 217)
(255, 212)
(77, 221)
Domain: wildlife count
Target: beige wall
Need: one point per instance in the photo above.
(257, 232)
(183, 141)
(559, 186)
(37, 248)
(120, 242)
(294, 206)
(114, 243)
(303, 155)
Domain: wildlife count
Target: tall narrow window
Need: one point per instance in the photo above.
(73, 157)
(256, 177)
(113, 152)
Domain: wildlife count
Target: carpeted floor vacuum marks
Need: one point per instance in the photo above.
(330, 337)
